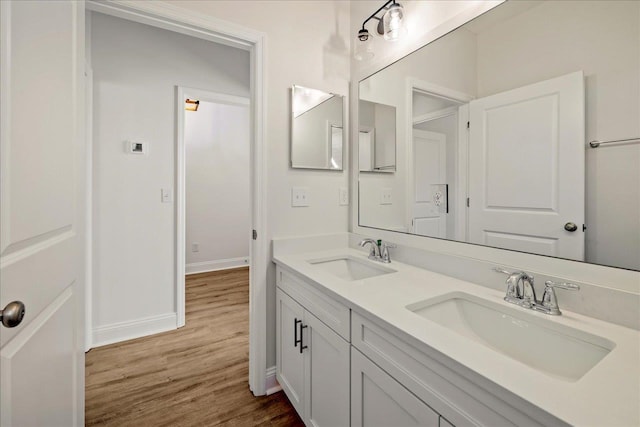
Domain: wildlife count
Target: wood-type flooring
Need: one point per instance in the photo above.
(193, 376)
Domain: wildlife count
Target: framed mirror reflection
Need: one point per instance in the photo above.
(495, 130)
(317, 133)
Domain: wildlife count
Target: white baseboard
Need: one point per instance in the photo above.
(271, 384)
(220, 264)
(124, 331)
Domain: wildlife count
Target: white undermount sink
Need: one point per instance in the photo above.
(350, 268)
(557, 350)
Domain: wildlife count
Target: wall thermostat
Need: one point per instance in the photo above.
(136, 147)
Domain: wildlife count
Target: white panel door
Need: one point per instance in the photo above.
(377, 400)
(42, 226)
(429, 179)
(327, 374)
(526, 168)
(290, 357)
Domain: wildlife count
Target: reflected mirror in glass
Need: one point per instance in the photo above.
(377, 137)
(493, 128)
(317, 135)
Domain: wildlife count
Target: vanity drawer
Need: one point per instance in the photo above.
(441, 384)
(330, 312)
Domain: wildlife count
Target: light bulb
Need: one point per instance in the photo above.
(393, 22)
(364, 46)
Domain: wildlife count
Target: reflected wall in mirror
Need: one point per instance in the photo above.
(377, 137)
(317, 135)
(493, 128)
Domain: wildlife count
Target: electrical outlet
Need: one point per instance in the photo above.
(386, 196)
(299, 196)
(195, 247)
(343, 196)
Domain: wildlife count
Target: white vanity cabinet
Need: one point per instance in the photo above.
(340, 367)
(312, 361)
(380, 401)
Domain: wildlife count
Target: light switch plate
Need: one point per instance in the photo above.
(299, 196)
(386, 196)
(343, 196)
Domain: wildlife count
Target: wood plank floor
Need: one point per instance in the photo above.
(194, 376)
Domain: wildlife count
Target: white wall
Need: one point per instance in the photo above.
(217, 142)
(547, 41)
(307, 45)
(136, 69)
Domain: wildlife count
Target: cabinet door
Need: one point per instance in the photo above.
(379, 400)
(289, 358)
(327, 375)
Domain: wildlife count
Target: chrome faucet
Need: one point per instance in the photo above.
(379, 250)
(525, 295)
(374, 250)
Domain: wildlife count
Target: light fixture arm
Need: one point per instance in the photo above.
(373, 16)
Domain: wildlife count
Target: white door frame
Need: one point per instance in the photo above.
(181, 181)
(411, 169)
(462, 99)
(183, 21)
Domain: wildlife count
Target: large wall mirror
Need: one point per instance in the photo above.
(317, 132)
(494, 129)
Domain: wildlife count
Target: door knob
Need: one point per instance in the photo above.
(570, 226)
(12, 314)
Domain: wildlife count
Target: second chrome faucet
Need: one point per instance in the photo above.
(379, 250)
(525, 295)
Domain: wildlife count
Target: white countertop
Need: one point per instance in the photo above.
(607, 395)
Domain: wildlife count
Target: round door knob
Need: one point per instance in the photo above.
(12, 314)
(570, 226)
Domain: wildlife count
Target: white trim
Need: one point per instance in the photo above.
(183, 21)
(138, 328)
(416, 85)
(259, 249)
(89, 207)
(435, 115)
(462, 174)
(183, 93)
(179, 20)
(216, 265)
(271, 382)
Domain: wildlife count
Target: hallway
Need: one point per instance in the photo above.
(193, 376)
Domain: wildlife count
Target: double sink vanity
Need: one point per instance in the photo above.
(363, 342)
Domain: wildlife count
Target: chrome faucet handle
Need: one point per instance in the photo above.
(561, 285)
(384, 251)
(513, 288)
(549, 299)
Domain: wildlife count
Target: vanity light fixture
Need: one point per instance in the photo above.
(191, 104)
(391, 26)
